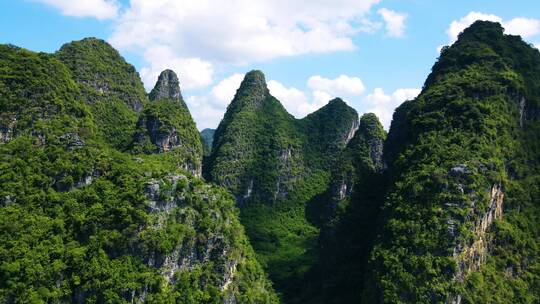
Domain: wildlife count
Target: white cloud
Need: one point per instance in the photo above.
(193, 73)
(205, 113)
(208, 109)
(338, 87)
(237, 32)
(384, 105)
(242, 30)
(457, 26)
(395, 22)
(224, 91)
(100, 9)
(525, 27)
(293, 99)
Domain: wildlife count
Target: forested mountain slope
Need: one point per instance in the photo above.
(275, 164)
(460, 214)
(83, 222)
(102, 199)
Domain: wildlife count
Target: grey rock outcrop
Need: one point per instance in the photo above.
(167, 87)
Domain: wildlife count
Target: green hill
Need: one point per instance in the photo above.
(84, 222)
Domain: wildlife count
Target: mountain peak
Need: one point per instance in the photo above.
(482, 29)
(167, 87)
(254, 81)
(336, 100)
(252, 91)
(255, 76)
(370, 121)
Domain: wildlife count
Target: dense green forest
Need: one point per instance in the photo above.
(87, 216)
(111, 195)
(275, 165)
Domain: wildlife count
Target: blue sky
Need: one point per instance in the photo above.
(373, 53)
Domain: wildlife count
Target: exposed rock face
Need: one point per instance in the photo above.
(164, 139)
(167, 87)
(72, 141)
(166, 198)
(166, 126)
(352, 131)
(350, 212)
(283, 151)
(7, 131)
(288, 158)
(271, 161)
(363, 155)
(450, 174)
(471, 255)
(145, 231)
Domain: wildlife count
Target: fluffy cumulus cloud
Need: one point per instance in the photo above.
(224, 91)
(322, 90)
(225, 32)
(383, 105)
(242, 30)
(525, 27)
(340, 86)
(100, 9)
(193, 72)
(208, 109)
(395, 22)
(293, 99)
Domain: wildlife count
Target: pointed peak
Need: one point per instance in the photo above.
(254, 80)
(370, 119)
(167, 87)
(371, 127)
(483, 31)
(252, 91)
(255, 75)
(336, 105)
(337, 102)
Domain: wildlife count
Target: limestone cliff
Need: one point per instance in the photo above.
(83, 221)
(166, 126)
(275, 165)
(458, 155)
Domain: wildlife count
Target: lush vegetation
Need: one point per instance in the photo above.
(99, 202)
(275, 165)
(347, 213)
(421, 224)
(473, 127)
(207, 138)
(166, 126)
(109, 85)
(84, 222)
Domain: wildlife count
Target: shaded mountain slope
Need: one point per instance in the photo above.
(275, 164)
